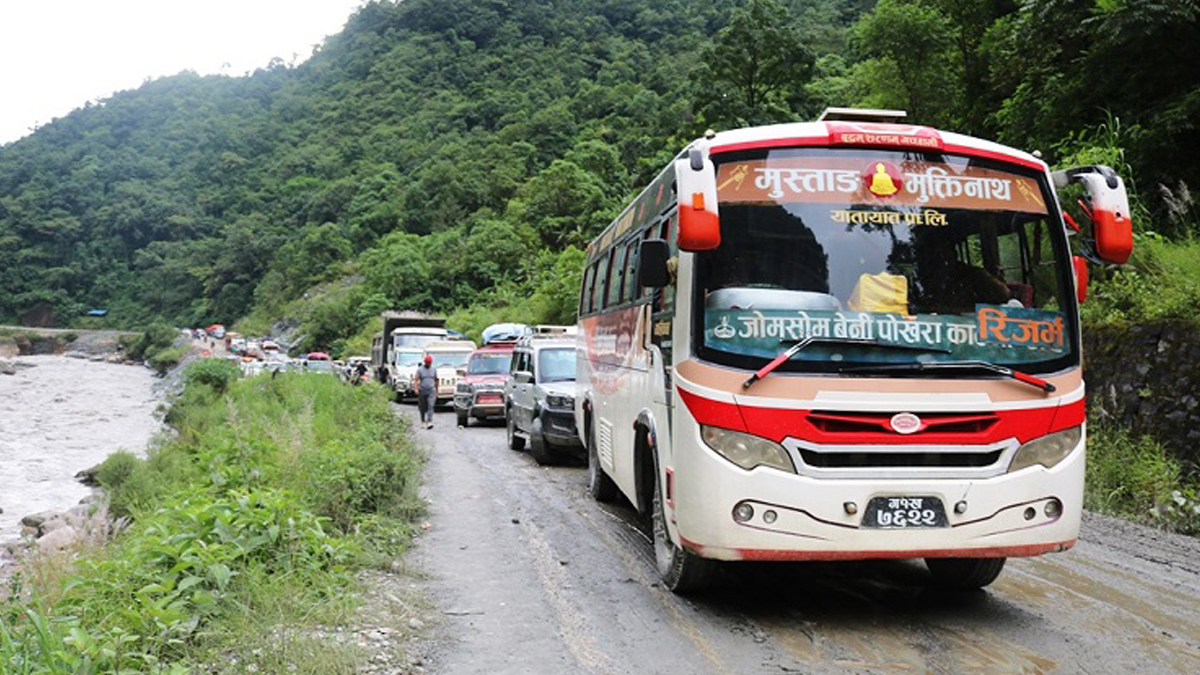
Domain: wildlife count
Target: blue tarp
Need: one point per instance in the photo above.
(97, 312)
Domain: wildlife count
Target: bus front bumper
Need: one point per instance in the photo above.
(727, 513)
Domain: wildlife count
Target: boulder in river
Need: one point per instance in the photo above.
(35, 520)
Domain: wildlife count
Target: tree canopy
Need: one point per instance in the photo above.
(455, 154)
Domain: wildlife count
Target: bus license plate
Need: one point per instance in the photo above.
(905, 512)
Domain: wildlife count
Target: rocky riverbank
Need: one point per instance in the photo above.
(58, 416)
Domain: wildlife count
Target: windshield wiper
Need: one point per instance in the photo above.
(954, 365)
(801, 344)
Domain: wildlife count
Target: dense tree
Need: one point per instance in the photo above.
(445, 154)
(755, 68)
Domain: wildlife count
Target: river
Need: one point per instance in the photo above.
(58, 416)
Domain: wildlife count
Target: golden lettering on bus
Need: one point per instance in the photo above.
(916, 218)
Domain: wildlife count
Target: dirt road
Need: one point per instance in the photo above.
(531, 576)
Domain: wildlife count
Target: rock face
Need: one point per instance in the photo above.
(1146, 377)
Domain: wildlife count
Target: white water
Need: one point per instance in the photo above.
(59, 417)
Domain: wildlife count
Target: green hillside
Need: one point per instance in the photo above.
(454, 154)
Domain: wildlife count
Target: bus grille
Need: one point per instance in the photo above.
(874, 423)
(899, 459)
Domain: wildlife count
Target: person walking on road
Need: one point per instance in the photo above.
(426, 386)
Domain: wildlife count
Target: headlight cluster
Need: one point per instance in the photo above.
(745, 450)
(1048, 450)
(557, 401)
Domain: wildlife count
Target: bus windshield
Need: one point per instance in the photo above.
(959, 258)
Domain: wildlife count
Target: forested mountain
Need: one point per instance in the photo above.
(444, 154)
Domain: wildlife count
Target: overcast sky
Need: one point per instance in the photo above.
(55, 55)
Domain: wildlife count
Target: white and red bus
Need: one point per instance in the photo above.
(844, 340)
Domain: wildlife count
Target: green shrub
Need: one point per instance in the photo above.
(1135, 477)
(166, 359)
(154, 339)
(216, 374)
(116, 469)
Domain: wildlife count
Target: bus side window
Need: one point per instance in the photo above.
(616, 272)
(585, 291)
(601, 282)
(632, 290)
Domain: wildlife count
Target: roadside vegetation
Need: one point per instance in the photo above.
(246, 528)
(1135, 477)
(158, 346)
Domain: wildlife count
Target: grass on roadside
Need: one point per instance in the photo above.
(1134, 477)
(248, 527)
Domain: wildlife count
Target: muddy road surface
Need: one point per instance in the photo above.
(529, 575)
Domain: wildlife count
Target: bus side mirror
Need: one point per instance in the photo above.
(1081, 277)
(1107, 206)
(696, 188)
(652, 269)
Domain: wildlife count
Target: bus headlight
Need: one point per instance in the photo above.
(1047, 450)
(745, 450)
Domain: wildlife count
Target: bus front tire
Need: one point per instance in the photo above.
(542, 453)
(515, 442)
(964, 573)
(682, 572)
(600, 486)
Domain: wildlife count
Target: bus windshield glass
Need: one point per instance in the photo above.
(489, 364)
(959, 258)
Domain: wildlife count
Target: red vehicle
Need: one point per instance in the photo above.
(480, 390)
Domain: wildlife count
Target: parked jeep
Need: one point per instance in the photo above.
(539, 397)
(480, 390)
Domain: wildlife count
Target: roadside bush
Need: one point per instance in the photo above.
(347, 480)
(154, 339)
(217, 374)
(116, 469)
(248, 523)
(165, 359)
(1135, 477)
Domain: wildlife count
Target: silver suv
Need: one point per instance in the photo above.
(539, 397)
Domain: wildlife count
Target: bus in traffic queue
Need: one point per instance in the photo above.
(843, 340)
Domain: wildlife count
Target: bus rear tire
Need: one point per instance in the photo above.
(542, 453)
(600, 486)
(964, 573)
(515, 442)
(682, 572)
